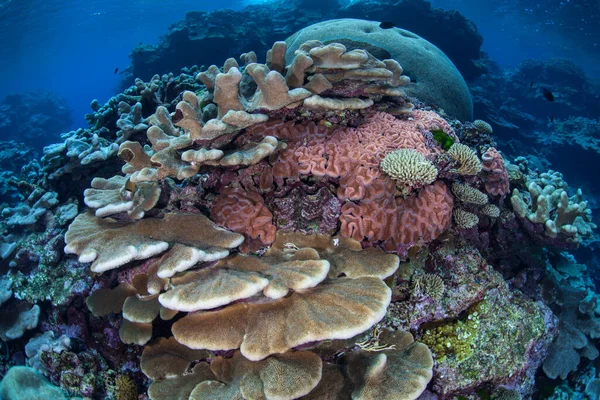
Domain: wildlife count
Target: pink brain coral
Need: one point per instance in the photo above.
(419, 218)
(244, 212)
(351, 157)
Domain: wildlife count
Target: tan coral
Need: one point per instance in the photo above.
(105, 301)
(400, 373)
(179, 387)
(135, 332)
(180, 258)
(227, 95)
(279, 377)
(115, 195)
(109, 244)
(345, 255)
(165, 358)
(276, 57)
(141, 310)
(339, 104)
(244, 157)
(241, 277)
(306, 316)
(273, 92)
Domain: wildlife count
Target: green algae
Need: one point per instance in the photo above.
(490, 340)
(455, 338)
(444, 140)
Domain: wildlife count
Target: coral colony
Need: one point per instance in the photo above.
(301, 228)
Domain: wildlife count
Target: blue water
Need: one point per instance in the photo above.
(73, 47)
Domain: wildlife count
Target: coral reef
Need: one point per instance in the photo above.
(36, 118)
(22, 383)
(294, 229)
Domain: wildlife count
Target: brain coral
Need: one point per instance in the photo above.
(435, 80)
(244, 212)
(419, 218)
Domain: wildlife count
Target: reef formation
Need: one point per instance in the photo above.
(299, 228)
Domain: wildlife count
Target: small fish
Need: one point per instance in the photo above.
(387, 25)
(531, 85)
(128, 190)
(548, 95)
(552, 118)
(116, 70)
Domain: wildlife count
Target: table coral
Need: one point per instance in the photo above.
(110, 244)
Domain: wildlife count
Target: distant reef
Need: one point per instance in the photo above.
(205, 38)
(36, 117)
(555, 132)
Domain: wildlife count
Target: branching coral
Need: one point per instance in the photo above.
(465, 219)
(549, 207)
(34, 207)
(468, 194)
(468, 162)
(409, 169)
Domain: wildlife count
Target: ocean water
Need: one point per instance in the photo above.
(362, 235)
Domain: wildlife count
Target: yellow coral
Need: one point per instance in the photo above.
(468, 161)
(409, 169)
(455, 338)
(464, 219)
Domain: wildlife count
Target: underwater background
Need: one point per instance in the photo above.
(299, 199)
